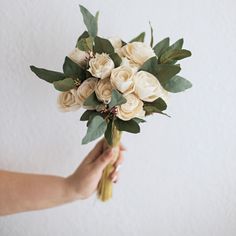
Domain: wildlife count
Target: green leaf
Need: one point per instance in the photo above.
(97, 15)
(72, 69)
(85, 44)
(92, 101)
(157, 106)
(96, 128)
(85, 34)
(47, 75)
(130, 126)
(90, 21)
(161, 46)
(173, 55)
(177, 84)
(86, 115)
(108, 132)
(163, 72)
(139, 38)
(151, 42)
(116, 99)
(139, 120)
(177, 45)
(102, 45)
(64, 85)
(116, 59)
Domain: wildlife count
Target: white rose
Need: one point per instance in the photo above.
(79, 57)
(126, 62)
(86, 89)
(147, 86)
(138, 52)
(131, 109)
(103, 90)
(68, 101)
(122, 79)
(101, 66)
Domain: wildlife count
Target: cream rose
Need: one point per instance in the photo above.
(147, 86)
(68, 101)
(86, 89)
(79, 57)
(103, 90)
(138, 52)
(115, 42)
(101, 66)
(122, 79)
(126, 62)
(131, 109)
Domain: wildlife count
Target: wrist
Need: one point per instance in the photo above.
(71, 190)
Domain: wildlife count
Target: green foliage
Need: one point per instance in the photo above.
(116, 99)
(151, 29)
(87, 114)
(85, 44)
(171, 56)
(139, 38)
(163, 72)
(177, 45)
(130, 126)
(96, 129)
(139, 120)
(177, 84)
(90, 21)
(108, 133)
(72, 69)
(47, 75)
(161, 46)
(157, 106)
(92, 101)
(84, 35)
(102, 45)
(64, 85)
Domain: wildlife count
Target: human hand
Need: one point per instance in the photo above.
(84, 181)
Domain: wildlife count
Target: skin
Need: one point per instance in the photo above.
(21, 192)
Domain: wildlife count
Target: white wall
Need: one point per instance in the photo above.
(179, 176)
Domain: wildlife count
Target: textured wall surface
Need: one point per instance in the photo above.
(179, 176)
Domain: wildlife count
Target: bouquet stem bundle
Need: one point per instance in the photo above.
(104, 191)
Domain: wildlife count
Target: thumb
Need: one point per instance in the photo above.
(103, 160)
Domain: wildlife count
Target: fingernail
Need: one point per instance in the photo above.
(118, 168)
(114, 178)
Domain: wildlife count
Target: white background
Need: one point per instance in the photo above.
(179, 175)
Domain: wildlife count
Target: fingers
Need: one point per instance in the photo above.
(95, 152)
(117, 165)
(103, 160)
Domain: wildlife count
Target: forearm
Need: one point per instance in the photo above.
(26, 192)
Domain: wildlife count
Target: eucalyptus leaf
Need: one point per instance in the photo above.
(96, 129)
(92, 101)
(163, 72)
(157, 106)
(90, 21)
(85, 34)
(47, 75)
(177, 84)
(177, 45)
(139, 38)
(72, 69)
(85, 44)
(116, 99)
(138, 120)
(130, 126)
(85, 116)
(173, 55)
(161, 46)
(102, 45)
(64, 85)
(151, 29)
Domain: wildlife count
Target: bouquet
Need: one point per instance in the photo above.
(119, 83)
